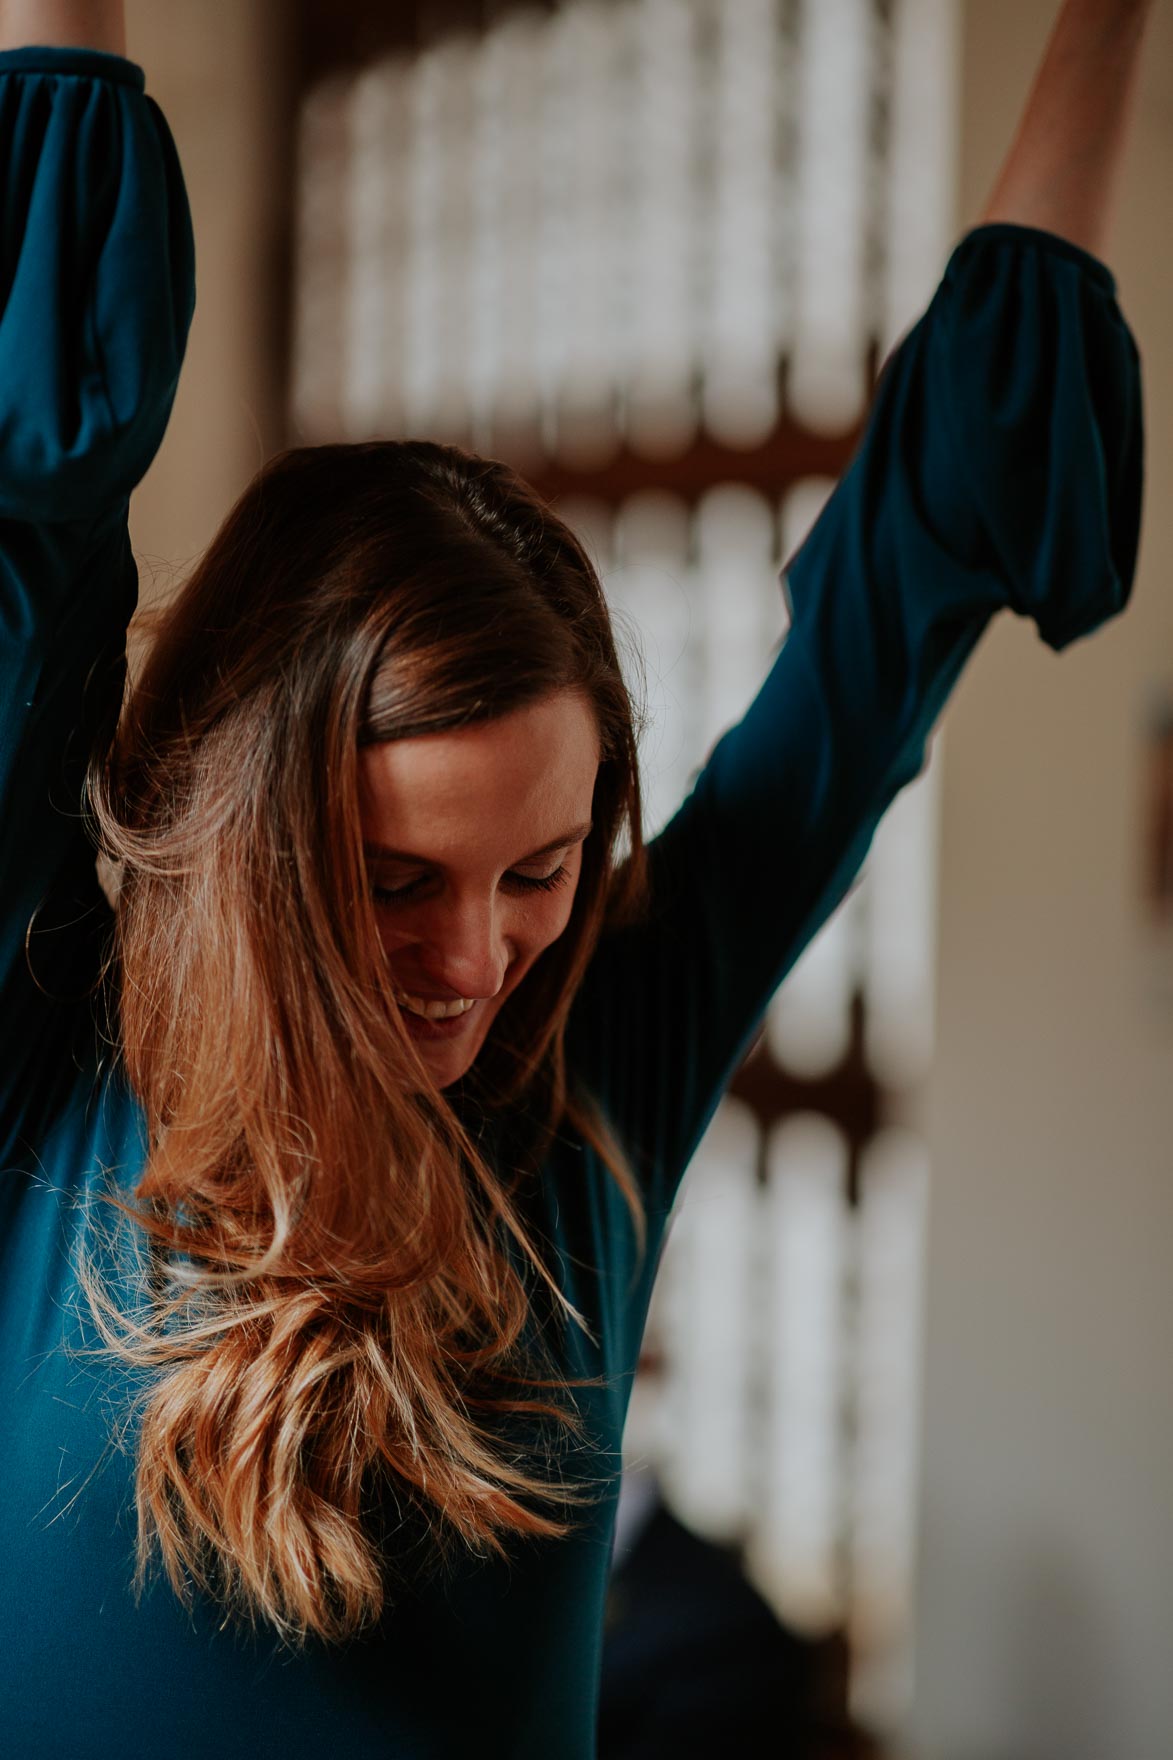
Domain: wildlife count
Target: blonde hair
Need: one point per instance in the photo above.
(336, 1279)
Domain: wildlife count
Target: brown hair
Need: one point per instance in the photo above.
(332, 1302)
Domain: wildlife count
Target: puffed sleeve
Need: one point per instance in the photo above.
(97, 281)
(96, 296)
(1003, 461)
(1001, 468)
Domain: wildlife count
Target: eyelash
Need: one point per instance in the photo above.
(398, 894)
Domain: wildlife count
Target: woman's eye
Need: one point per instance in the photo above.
(393, 894)
(542, 883)
(523, 882)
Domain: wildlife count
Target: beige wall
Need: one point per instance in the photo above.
(1046, 1582)
(218, 69)
(1045, 1618)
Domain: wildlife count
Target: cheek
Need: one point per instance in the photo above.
(394, 931)
(562, 904)
(531, 930)
(559, 906)
(538, 927)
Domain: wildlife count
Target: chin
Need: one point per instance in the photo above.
(447, 1063)
(446, 1060)
(446, 1079)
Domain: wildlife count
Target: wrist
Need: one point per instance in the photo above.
(64, 24)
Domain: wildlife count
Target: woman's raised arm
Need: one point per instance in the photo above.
(1061, 171)
(71, 24)
(1001, 468)
(96, 295)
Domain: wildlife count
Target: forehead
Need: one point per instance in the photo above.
(529, 773)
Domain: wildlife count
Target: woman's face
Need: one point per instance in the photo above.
(474, 845)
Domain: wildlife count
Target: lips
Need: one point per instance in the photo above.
(420, 1027)
(434, 1010)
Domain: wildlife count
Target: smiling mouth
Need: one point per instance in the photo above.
(433, 1008)
(421, 1028)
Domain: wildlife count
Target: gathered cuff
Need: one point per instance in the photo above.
(1009, 232)
(75, 62)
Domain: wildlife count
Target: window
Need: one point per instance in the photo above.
(653, 252)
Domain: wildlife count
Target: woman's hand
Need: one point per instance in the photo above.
(1061, 171)
(74, 24)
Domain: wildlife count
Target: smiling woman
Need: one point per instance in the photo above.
(394, 786)
(369, 1331)
(463, 925)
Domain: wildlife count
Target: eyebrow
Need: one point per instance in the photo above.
(383, 851)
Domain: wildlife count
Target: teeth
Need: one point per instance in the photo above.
(434, 1011)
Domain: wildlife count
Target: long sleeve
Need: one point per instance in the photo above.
(1001, 469)
(96, 296)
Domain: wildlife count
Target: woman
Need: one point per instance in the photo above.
(324, 1311)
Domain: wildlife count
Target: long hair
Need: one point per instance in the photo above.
(340, 1283)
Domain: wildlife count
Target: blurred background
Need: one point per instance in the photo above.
(906, 1364)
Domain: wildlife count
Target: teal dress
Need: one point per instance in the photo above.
(1001, 469)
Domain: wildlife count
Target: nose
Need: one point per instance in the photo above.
(464, 950)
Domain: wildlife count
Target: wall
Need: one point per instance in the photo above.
(1046, 1575)
(218, 69)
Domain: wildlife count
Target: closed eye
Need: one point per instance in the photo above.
(523, 882)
